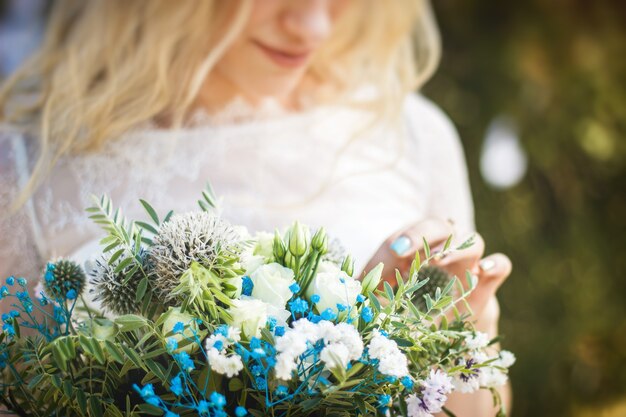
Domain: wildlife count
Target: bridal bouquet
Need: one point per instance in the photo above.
(196, 317)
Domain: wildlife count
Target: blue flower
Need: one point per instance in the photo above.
(179, 327)
(384, 400)
(247, 286)
(341, 307)
(176, 386)
(146, 391)
(10, 281)
(282, 390)
(360, 298)
(315, 298)
(219, 345)
(170, 414)
(222, 330)
(367, 314)
(298, 306)
(255, 343)
(185, 361)
(203, 407)
(294, 288)
(241, 411)
(4, 291)
(279, 331)
(261, 383)
(71, 294)
(171, 344)
(407, 382)
(22, 282)
(218, 400)
(329, 314)
(8, 329)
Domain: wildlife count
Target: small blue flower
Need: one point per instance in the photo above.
(271, 323)
(219, 345)
(22, 282)
(179, 327)
(218, 400)
(171, 344)
(294, 288)
(367, 314)
(341, 307)
(203, 407)
(8, 329)
(261, 383)
(407, 382)
(247, 286)
(185, 361)
(329, 314)
(71, 294)
(298, 306)
(222, 330)
(146, 391)
(4, 291)
(170, 414)
(315, 298)
(255, 343)
(279, 331)
(241, 411)
(10, 280)
(176, 386)
(360, 298)
(282, 390)
(384, 400)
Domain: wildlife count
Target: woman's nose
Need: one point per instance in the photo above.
(308, 20)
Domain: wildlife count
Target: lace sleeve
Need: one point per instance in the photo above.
(443, 161)
(18, 251)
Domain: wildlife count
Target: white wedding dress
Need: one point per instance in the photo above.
(267, 171)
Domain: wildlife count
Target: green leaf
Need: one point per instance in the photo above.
(115, 256)
(141, 289)
(147, 227)
(389, 291)
(426, 248)
(123, 264)
(151, 212)
(235, 384)
(130, 322)
(374, 300)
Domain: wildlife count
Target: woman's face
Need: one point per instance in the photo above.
(272, 53)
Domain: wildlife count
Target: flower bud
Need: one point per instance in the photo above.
(290, 261)
(298, 240)
(348, 265)
(372, 279)
(279, 247)
(320, 241)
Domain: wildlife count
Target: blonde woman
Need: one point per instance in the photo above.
(291, 109)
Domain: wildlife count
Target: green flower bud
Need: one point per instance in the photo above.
(348, 265)
(372, 279)
(103, 329)
(320, 241)
(298, 240)
(290, 261)
(279, 247)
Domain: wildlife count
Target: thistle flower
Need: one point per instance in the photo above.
(335, 253)
(187, 238)
(437, 278)
(117, 292)
(62, 277)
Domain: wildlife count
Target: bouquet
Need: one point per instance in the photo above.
(195, 316)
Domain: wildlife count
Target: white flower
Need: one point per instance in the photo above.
(251, 315)
(392, 361)
(467, 384)
(285, 365)
(335, 355)
(173, 316)
(264, 245)
(224, 365)
(492, 377)
(415, 407)
(351, 338)
(334, 288)
(271, 284)
(478, 340)
(327, 266)
(250, 263)
(507, 359)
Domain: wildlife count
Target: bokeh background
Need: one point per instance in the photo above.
(537, 89)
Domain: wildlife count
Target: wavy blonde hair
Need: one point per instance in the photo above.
(107, 66)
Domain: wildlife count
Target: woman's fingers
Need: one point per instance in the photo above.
(398, 251)
(492, 271)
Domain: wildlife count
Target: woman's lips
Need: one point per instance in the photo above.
(283, 58)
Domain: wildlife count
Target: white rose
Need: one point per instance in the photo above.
(264, 245)
(271, 284)
(327, 266)
(174, 316)
(334, 288)
(237, 283)
(251, 315)
(250, 263)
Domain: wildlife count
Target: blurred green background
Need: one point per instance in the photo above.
(556, 69)
(555, 72)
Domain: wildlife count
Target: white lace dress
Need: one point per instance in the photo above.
(311, 166)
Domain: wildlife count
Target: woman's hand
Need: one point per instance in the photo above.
(398, 251)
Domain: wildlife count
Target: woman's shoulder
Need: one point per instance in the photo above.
(428, 123)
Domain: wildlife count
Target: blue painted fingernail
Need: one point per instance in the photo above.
(401, 245)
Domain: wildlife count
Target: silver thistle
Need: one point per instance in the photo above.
(117, 292)
(198, 237)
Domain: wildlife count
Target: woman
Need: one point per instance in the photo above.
(292, 110)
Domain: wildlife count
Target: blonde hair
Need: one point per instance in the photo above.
(107, 66)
